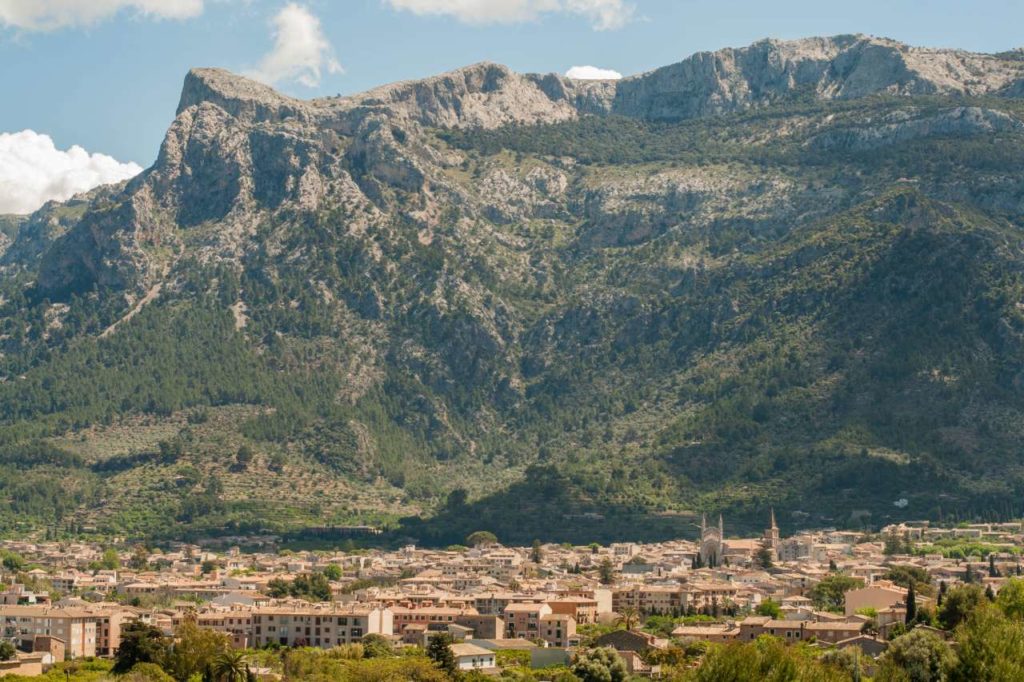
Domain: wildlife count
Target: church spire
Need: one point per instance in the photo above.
(774, 525)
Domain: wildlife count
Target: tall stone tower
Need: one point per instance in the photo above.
(771, 536)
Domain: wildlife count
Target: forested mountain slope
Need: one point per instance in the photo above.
(788, 274)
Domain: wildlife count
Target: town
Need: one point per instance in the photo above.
(647, 607)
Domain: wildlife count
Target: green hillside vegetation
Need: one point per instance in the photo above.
(857, 343)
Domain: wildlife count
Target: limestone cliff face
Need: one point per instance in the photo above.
(238, 152)
(905, 126)
(842, 67)
(483, 95)
(30, 236)
(242, 98)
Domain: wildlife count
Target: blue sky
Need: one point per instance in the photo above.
(109, 81)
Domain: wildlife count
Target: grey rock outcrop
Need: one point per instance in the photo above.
(903, 127)
(239, 152)
(841, 67)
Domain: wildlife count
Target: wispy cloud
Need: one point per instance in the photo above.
(301, 52)
(33, 171)
(49, 15)
(603, 15)
(594, 73)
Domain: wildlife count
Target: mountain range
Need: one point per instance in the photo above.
(789, 275)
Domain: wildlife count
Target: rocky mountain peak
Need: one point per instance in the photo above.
(488, 95)
(484, 95)
(241, 97)
(238, 148)
(838, 67)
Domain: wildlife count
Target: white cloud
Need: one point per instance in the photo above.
(588, 73)
(603, 15)
(33, 171)
(49, 15)
(301, 52)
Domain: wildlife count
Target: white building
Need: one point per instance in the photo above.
(473, 657)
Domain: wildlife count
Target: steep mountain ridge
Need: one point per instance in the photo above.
(718, 284)
(842, 67)
(237, 147)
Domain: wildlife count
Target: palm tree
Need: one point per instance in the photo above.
(230, 667)
(628, 617)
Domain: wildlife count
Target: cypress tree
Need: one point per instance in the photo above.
(911, 604)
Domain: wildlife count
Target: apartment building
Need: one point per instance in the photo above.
(318, 627)
(236, 624)
(76, 627)
(650, 599)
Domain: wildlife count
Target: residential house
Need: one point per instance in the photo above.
(880, 595)
(710, 632)
(483, 626)
(523, 620)
(582, 609)
(473, 657)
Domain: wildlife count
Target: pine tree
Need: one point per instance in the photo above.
(993, 572)
(439, 650)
